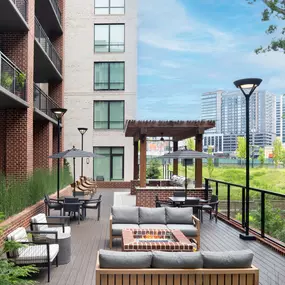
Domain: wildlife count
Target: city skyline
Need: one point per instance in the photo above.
(187, 48)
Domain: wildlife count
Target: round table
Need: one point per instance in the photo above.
(64, 242)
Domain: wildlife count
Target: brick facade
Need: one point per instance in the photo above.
(114, 184)
(23, 218)
(151, 182)
(146, 197)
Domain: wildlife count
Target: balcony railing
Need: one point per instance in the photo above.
(43, 102)
(22, 7)
(46, 44)
(12, 78)
(266, 209)
(56, 9)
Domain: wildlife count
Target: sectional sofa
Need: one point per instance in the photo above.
(172, 268)
(154, 218)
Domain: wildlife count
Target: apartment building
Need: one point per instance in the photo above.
(101, 84)
(31, 56)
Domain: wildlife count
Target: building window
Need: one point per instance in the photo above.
(109, 115)
(109, 38)
(105, 7)
(109, 76)
(111, 164)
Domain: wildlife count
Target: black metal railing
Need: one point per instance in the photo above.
(46, 44)
(266, 208)
(43, 102)
(56, 9)
(12, 78)
(22, 7)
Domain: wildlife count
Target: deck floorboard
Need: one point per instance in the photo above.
(92, 235)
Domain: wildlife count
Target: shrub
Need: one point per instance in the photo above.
(153, 170)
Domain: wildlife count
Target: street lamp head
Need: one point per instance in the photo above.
(59, 112)
(248, 84)
(82, 130)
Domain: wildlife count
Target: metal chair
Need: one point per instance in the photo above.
(179, 194)
(211, 206)
(162, 203)
(72, 205)
(52, 204)
(93, 204)
(197, 209)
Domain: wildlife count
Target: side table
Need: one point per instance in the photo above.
(64, 242)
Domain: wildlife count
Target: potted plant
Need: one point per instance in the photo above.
(7, 80)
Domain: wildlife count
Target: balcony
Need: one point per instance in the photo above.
(12, 85)
(13, 15)
(49, 14)
(48, 64)
(43, 105)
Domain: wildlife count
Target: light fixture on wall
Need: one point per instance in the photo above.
(162, 139)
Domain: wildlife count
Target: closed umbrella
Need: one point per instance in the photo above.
(74, 152)
(186, 154)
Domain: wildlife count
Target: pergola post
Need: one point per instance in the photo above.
(175, 161)
(136, 160)
(143, 161)
(198, 162)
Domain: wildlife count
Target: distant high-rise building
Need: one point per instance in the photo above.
(279, 117)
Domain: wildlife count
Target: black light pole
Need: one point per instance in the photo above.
(58, 112)
(82, 131)
(247, 87)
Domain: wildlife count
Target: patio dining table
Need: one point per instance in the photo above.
(181, 200)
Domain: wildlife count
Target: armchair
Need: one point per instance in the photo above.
(52, 204)
(211, 206)
(93, 204)
(37, 253)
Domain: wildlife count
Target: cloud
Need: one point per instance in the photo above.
(170, 64)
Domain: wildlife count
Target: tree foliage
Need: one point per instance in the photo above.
(153, 170)
(277, 151)
(241, 148)
(210, 162)
(261, 156)
(274, 9)
(9, 272)
(190, 144)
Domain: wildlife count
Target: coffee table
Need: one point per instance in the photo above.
(156, 239)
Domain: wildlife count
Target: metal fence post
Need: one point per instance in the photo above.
(229, 202)
(262, 217)
(243, 207)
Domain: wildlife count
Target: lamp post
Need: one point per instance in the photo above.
(247, 87)
(58, 112)
(82, 131)
(253, 148)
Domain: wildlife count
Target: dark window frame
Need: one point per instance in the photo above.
(109, 38)
(109, 8)
(109, 75)
(109, 121)
(111, 161)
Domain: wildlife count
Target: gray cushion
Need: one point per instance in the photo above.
(179, 215)
(153, 226)
(163, 259)
(117, 228)
(187, 230)
(125, 215)
(152, 215)
(117, 259)
(228, 259)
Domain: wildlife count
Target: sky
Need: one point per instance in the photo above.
(188, 47)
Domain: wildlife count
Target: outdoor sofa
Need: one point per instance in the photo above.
(171, 268)
(154, 218)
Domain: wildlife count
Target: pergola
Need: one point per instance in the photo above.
(178, 130)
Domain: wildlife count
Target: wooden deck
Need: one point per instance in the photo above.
(92, 235)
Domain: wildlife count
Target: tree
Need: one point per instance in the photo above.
(241, 148)
(277, 151)
(261, 156)
(190, 144)
(9, 272)
(153, 171)
(274, 9)
(210, 163)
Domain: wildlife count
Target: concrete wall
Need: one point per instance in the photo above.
(79, 82)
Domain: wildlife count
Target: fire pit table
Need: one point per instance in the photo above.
(152, 239)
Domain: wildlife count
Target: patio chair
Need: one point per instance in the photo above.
(41, 223)
(52, 204)
(211, 206)
(72, 205)
(194, 203)
(93, 204)
(179, 194)
(162, 203)
(39, 254)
